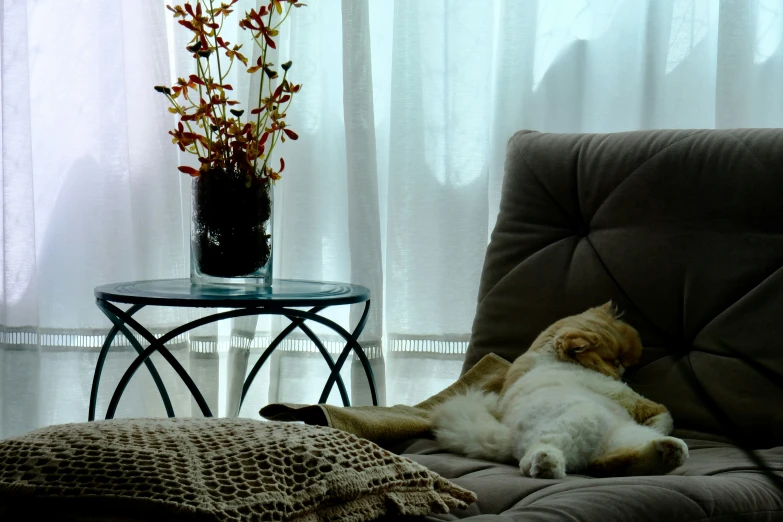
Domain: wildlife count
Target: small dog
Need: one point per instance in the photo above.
(563, 408)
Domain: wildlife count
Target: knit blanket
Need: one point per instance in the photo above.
(212, 470)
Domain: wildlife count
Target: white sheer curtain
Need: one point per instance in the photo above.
(394, 184)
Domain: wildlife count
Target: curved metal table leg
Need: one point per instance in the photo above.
(119, 325)
(329, 361)
(352, 344)
(267, 353)
(96, 378)
(155, 345)
(296, 322)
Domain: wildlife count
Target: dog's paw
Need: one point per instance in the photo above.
(662, 423)
(671, 451)
(543, 463)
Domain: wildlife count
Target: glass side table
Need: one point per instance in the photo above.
(279, 299)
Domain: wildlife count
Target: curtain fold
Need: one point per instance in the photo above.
(364, 225)
(394, 183)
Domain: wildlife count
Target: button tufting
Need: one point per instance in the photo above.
(582, 230)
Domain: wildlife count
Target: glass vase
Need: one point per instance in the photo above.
(231, 229)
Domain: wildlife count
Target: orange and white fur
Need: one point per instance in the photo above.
(563, 408)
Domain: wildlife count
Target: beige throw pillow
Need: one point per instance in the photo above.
(212, 469)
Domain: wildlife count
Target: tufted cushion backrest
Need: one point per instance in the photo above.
(683, 229)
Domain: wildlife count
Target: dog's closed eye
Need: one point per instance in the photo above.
(570, 342)
(577, 350)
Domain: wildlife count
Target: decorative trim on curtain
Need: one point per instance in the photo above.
(435, 344)
(94, 338)
(67, 338)
(293, 343)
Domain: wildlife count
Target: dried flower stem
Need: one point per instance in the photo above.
(261, 87)
(228, 143)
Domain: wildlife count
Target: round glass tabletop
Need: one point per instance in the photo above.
(283, 292)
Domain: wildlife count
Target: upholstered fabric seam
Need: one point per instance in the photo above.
(743, 296)
(493, 466)
(701, 392)
(745, 469)
(612, 486)
(761, 163)
(681, 316)
(622, 290)
(712, 501)
(732, 516)
(636, 169)
(556, 511)
(552, 197)
(515, 267)
(731, 431)
(760, 368)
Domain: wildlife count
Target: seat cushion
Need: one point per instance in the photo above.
(683, 229)
(718, 483)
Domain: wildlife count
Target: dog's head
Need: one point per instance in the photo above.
(597, 339)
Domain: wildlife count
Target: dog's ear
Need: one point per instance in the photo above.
(610, 308)
(631, 346)
(570, 342)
